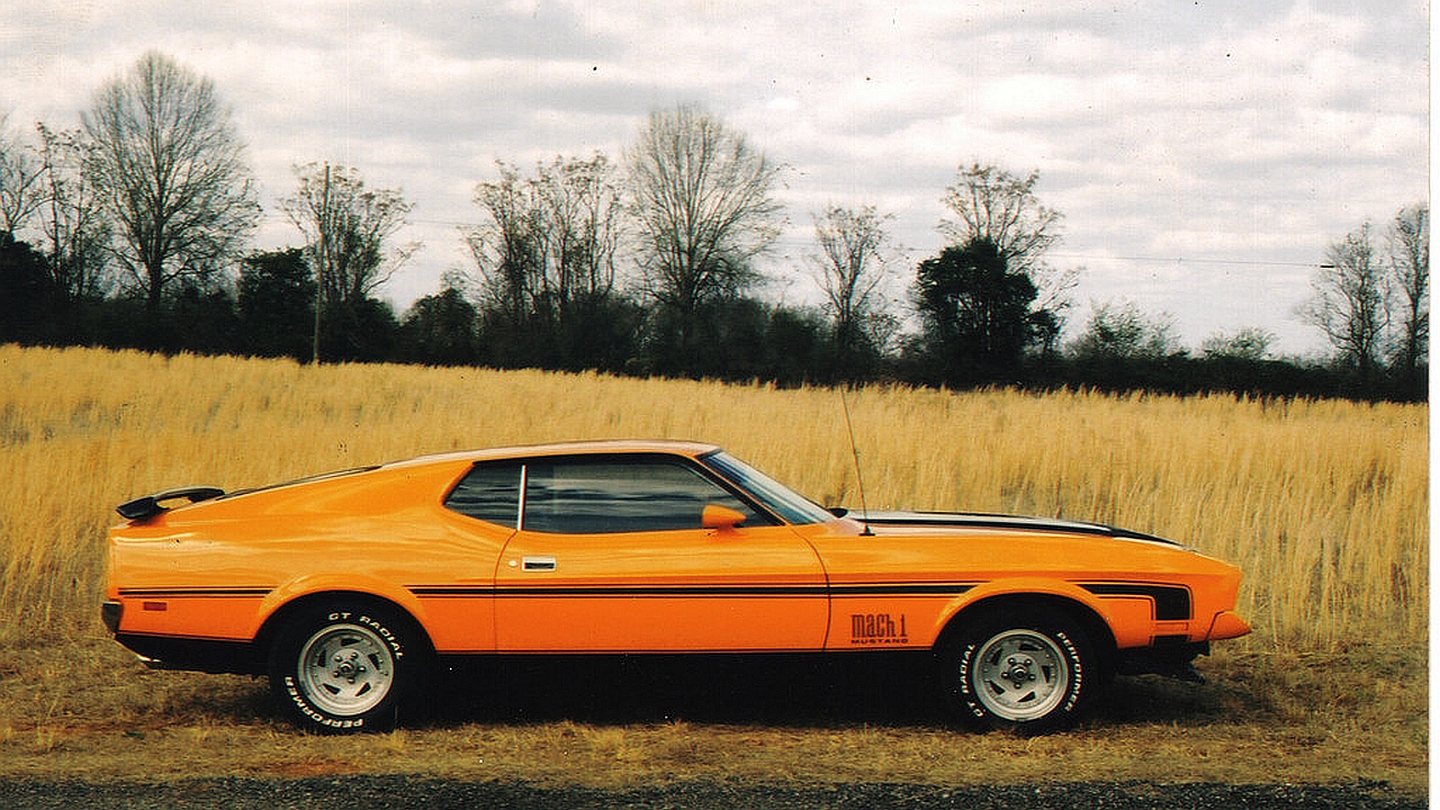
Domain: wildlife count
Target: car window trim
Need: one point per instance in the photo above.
(692, 464)
(520, 501)
(684, 461)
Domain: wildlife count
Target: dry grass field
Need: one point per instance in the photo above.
(1323, 504)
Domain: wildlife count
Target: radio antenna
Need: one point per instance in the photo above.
(855, 454)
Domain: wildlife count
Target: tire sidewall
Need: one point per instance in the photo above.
(960, 667)
(288, 686)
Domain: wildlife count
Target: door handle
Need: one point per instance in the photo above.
(538, 563)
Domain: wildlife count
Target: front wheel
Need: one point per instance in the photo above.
(342, 668)
(1029, 671)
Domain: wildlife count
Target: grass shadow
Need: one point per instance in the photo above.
(781, 691)
(806, 691)
(800, 692)
(1153, 699)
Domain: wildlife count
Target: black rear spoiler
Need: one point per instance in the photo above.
(152, 505)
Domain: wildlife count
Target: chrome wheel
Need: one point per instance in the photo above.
(1021, 675)
(346, 670)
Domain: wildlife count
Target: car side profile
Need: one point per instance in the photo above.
(349, 589)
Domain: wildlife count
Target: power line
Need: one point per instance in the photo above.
(1183, 260)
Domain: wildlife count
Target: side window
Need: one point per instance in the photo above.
(607, 496)
(489, 492)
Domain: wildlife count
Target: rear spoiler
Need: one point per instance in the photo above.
(152, 505)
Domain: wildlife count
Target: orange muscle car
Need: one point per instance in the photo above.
(349, 589)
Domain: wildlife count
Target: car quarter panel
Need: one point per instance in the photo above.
(220, 569)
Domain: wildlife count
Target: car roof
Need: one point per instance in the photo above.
(573, 448)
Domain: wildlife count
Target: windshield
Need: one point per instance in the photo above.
(772, 494)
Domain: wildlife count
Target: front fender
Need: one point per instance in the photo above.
(997, 592)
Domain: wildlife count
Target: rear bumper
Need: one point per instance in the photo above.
(170, 652)
(194, 654)
(110, 613)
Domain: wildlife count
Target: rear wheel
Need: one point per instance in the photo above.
(1030, 670)
(341, 667)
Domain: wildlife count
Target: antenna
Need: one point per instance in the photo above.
(855, 454)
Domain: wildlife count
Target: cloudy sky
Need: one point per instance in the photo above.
(1204, 153)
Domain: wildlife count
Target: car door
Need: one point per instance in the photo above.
(612, 555)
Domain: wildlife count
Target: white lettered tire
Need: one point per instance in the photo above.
(341, 667)
(1029, 670)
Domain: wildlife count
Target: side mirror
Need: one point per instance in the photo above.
(720, 517)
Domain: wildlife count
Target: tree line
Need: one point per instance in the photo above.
(133, 231)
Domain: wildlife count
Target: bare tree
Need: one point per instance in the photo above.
(548, 242)
(1409, 256)
(21, 188)
(170, 168)
(850, 269)
(703, 210)
(72, 218)
(990, 203)
(347, 228)
(583, 201)
(509, 246)
(1350, 303)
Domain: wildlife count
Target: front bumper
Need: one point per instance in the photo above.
(1227, 625)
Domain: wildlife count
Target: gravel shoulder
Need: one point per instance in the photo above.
(381, 792)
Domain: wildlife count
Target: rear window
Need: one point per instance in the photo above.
(489, 492)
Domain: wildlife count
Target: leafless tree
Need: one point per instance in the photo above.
(347, 230)
(990, 203)
(548, 242)
(703, 210)
(72, 218)
(509, 246)
(170, 167)
(583, 203)
(21, 188)
(1409, 257)
(1350, 304)
(850, 268)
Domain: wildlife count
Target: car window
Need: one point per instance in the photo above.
(595, 496)
(771, 494)
(489, 492)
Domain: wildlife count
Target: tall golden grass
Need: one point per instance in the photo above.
(1323, 504)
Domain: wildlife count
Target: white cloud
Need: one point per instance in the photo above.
(1197, 132)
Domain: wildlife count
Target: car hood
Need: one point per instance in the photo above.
(880, 521)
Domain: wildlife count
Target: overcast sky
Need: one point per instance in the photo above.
(1204, 154)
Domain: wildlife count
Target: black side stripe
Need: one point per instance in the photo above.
(180, 593)
(925, 589)
(918, 589)
(1172, 602)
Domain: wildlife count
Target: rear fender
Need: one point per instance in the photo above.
(337, 583)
